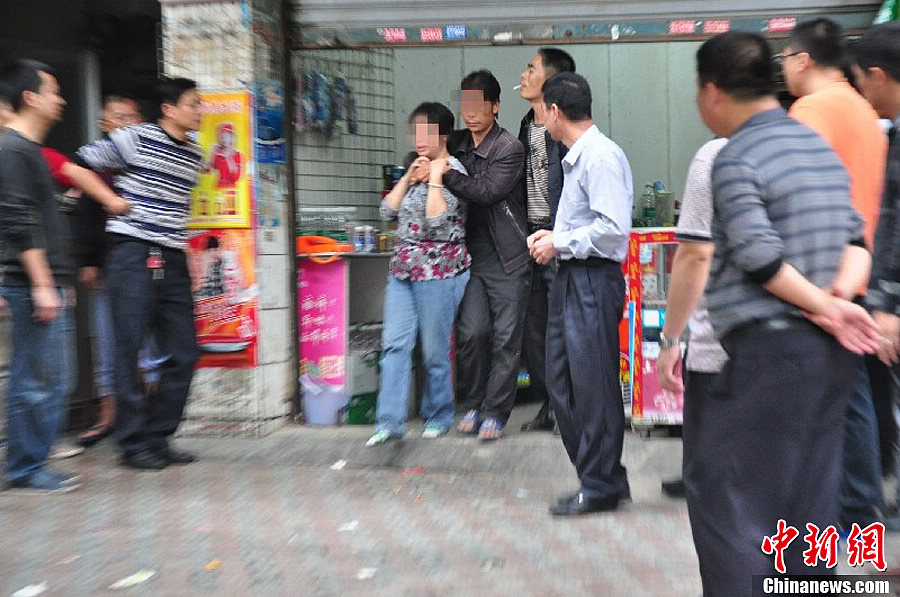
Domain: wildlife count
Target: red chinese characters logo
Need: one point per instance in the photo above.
(782, 24)
(715, 27)
(431, 34)
(821, 546)
(777, 543)
(683, 27)
(866, 545)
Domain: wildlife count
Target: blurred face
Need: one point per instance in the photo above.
(226, 139)
(793, 65)
(552, 122)
(47, 101)
(707, 105)
(533, 78)
(6, 113)
(117, 114)
(477, 112)
(426, 138)
(186, 113)
(872, 84)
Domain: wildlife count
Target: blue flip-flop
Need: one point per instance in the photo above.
(490, 424)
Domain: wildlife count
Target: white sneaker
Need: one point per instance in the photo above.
(381, 436)
(434, 431)
(63, 451)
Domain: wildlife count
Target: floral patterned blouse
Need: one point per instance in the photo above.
(429, 248)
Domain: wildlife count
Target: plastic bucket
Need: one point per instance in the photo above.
(322, 403)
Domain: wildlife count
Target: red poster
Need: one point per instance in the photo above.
(225, 308)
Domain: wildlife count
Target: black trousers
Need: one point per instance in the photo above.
(489, 339)
(534, 343)
(763, 440)
(586, 302)
(165, 308)
(882, 398)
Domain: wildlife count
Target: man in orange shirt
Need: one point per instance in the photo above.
(813, 63)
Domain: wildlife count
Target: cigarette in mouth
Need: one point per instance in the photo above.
(517, 87)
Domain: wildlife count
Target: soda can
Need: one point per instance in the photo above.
(383, 240)
(397, 174)
(369, 239)
(387, 176)
(359, 239)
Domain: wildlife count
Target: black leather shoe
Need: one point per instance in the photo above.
(581, 504)
(543, 421)
(673, 489)
(173, 456)
(144, 460)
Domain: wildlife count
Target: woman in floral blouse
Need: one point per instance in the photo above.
(428, 276)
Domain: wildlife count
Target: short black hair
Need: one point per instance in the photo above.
(571, 92)
(482, 80)
(879, 47)
(19, 76)
(435, 113)
(170, 90)
(556, 61)
(212, 243)
(823, 40)
(738, 63)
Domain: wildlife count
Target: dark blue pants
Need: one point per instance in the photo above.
(861, 486)
(164, 307)
(764, 442)
(534, 345)
(586, 301)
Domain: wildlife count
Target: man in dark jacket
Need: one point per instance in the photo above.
(542, 185)
(492, 313)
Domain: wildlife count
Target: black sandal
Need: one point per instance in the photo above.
(94, 435)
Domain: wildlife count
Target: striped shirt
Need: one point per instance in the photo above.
(155, 173)
(780, 195)
(537, 172)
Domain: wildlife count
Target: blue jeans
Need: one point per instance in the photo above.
(430, 308)
(861, 494)
(105, 346)
(40, 380)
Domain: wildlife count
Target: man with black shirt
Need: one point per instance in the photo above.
(492, 313)
(543, 183)
(37, 280)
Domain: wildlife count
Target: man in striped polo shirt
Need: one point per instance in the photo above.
(149, 282)
(782, 228)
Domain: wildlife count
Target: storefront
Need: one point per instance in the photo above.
(638, 57)
(316, 104)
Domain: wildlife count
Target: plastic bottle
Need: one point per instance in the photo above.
(649, 203)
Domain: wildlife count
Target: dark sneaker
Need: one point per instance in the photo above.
(145, 460)
(172, 456)
(42, 481)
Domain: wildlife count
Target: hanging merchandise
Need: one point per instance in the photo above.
(299, 98)
(350, 110)
(322, 99)
(338, 94)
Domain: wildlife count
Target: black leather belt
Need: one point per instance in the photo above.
(771, 324)
(590, 262)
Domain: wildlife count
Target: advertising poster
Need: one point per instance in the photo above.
(222, 197)
(323, 321)
(225, 307)
(270, 143)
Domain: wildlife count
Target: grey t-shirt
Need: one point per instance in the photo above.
(705, 354)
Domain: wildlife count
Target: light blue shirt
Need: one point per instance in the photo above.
(594, 215)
